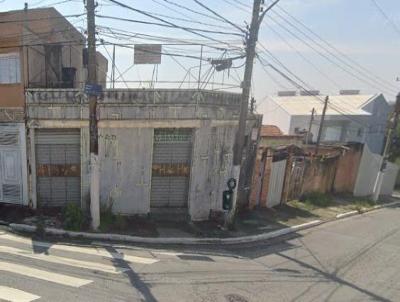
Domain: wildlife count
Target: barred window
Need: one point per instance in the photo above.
(10, 71)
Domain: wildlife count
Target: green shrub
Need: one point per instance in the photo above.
(317, 199)
(73, 217)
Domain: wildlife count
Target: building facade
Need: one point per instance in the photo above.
(161, 151)
(39, 49)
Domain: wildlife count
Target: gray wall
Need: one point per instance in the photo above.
(211, 168)
(127, 120)
(126, 160)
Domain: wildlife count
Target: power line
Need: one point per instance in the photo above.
(166, 22)
(361, 69)
(131, 46)
(115, 65)
(53, 3)
(189, 9)
(64, 43)
(305, 58)
(307, 90)
(348, 69)
(41, 19)
(219, 16)
(385, 15)
(169, 26)
(239, 5)
(125, 34)
(187, 18)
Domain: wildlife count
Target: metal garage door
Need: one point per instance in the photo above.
(171, 168)
(58, 166)
(10, 165)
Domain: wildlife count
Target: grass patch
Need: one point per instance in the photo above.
(360, 204)
(316, 199)
(112, 222)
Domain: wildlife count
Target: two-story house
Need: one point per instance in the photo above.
(350, 116)
(39, 49)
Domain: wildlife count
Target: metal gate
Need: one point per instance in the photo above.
(11, 165)
(296, 178)
(171, 168)
(58, 166)
(275, 187)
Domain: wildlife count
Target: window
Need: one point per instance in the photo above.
(10, 71)
(360, 132)
(332, 133)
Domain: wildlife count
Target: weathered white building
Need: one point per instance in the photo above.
(350, 117)
(160, 150)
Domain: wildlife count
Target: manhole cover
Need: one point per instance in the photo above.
(235, 298)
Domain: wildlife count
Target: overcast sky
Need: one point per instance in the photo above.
(355, 27)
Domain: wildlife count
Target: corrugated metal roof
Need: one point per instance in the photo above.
(303, 105)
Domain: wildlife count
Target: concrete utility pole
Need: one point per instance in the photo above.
(94, 145)
(309, 127)
(393, 122)
(251, 42)
(321, 125)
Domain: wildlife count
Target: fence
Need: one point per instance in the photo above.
(348, 169)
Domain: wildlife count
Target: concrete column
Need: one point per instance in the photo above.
(95, 190)
(33, 192)
(256, 180)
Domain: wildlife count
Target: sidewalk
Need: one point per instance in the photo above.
(260, 224)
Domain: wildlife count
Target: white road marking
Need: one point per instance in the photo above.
(82, 250)
(62, 260)
(42, 275)
(16, 295)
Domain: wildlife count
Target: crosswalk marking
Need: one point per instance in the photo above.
(62, 260)
(82, 250)
(43, 275)
(16, 295)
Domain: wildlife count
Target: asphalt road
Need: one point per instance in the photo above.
(356, 259)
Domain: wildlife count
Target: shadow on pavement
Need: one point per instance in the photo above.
(333, 277)
(134, 278)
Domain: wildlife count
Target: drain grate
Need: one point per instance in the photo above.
(235, 298)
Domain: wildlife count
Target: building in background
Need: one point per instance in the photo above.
(39, 49)
(271, 137)
(350, 117)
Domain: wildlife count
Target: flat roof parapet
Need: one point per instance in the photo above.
(135, 96)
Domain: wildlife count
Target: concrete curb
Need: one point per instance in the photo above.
(387, 205)
(347, 214)
(189, 241)
(177, 241)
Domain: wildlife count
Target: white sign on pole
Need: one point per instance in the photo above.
(147, 54)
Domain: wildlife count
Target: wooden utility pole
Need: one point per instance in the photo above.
(90, 90)
(310, 126)
(251, 41)
(392, 126)
(321, 125)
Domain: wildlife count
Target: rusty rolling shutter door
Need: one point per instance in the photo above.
(58, 166)
(171, 168)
